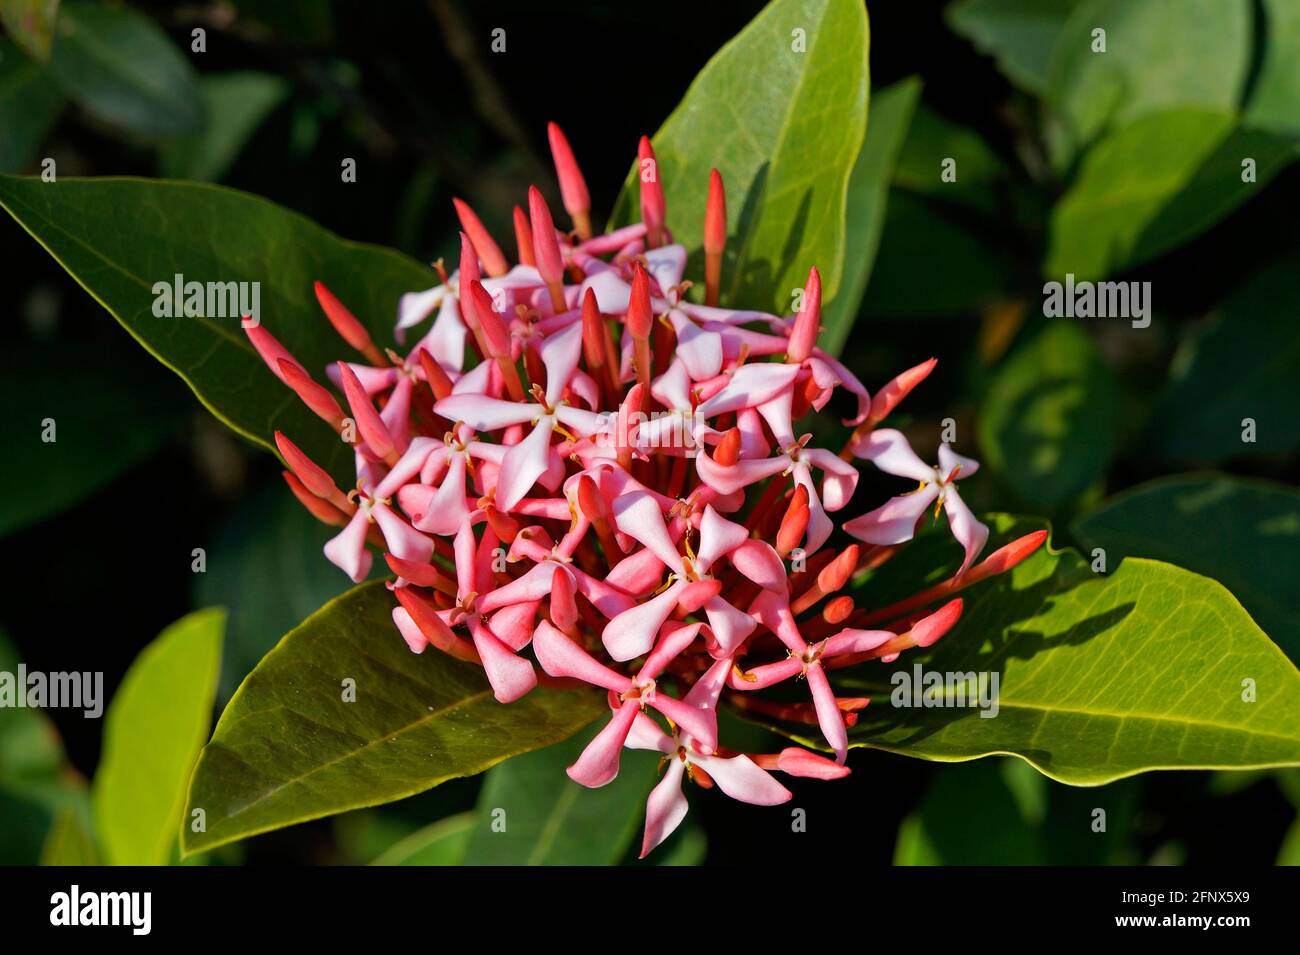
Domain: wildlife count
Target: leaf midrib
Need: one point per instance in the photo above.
(217, 329)
(1122, 717)
(742, 253)
(559, 812)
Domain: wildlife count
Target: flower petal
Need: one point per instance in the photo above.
(751, 386)
(950, 459)
(829, 716)
(888, 450)
(740, 778)
(511, 675)
(970, 533)
(633, 631)
(347, 550)
(637, 514)
(665, 809)
(524, 463)
(561, 657)
(895, 520)
(486, 414)
(598, 764)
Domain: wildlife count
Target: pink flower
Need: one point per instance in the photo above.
(896, 520)
(561, 657)
(580, 464)
(737, 776)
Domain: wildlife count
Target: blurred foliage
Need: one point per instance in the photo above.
(1124, 165)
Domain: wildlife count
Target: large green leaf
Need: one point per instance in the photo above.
(1159, 54)
(31, 24)
(29, 107)
(120, 66)
(891, 114)
(784, 128)
(236, 104)
(1099, 677)
(1243, 364)
(1244, 534)
(531, 813)
(1049, 422)
(1153, 185)
(107, 413)
(1276, 89)
(291, 747)
(155, 727)
(1019, 34)
(118, 237)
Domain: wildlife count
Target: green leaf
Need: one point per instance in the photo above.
(31, 24)
(1276, 89)
(118, 237)
(441, 843)
(36, 780)
(550, 820)
(1244, 534)
(120, 67)
(29, 107)
(69, 842)
(105, 413)
(266, 566)
(236, 104)
(1153, 185)
(290, 748)
(970, 816)
(784, 128)
(1243, 364)
(1018, 34)
(1160, 54)
(155, 727)
(891, 114)
(1049, 423)
(1099, 677)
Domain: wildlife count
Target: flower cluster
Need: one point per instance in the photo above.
(613, 492)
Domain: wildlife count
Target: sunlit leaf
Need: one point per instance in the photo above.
(1153, 185)
(154, 728)
(292, 744)
(780, 111)
(1095, 673)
